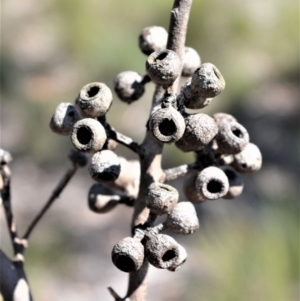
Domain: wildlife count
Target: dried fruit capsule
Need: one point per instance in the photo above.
(236, 184)
(183, 219)
(180, 260)
(192, 101)
(105, 166)
(191, 61)
(161, 198)
(232, 137)
(153, 38)
(200, 129)
(224, 117)
(207, 81)
(162, 251)
(128, 254)
(63, 119)
(163, 67)
(128, 86)
(189, 189)
(88, 135)
(95, 99)
(249, 160)
(102, 199)
(211, 183)
(167, 125)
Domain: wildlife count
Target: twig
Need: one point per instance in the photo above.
(180, 171)
(78, 160)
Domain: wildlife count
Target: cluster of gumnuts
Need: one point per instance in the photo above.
(221, 145)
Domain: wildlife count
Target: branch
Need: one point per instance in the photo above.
(78, 160)
(180, 171)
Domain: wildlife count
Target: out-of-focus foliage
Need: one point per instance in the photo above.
(246, 249)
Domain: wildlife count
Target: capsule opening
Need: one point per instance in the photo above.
(167, 127)
(214, 186)
(237, 132)
(84, 135)
(169, 255)
(161, 56)
(93, 91)
(125, 263)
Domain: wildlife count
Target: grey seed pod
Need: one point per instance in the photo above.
(191, 61)
(152, 39)
(200, 129)
(167, 125)
(88, 135)
(189, 189)
(162, 251)
(5, 157)
(232, 137)
(181, 259)
(128, 86)
(236, 183)
(191, 101)
(64, 118)
(105, 166)
(212, 183)
(223, 117)
(102, 199)
(161, 198)
(95, 99)
(183, 219)
(249, 160)
(128, 254)
(207, 81)
(163, 67)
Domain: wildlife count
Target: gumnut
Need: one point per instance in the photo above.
(161, 198)
(183, 219)
(105, 166)
(181, 259)
(88, 135)
(102, 199)
(200, 129)
(162, 251)
(191, 61)
(236, 183)
(63, 119)
(128, 254)
(232, 137)
(212, 183)
(207, 81)
(153, 38)
(95, 99)
(128, 86)
(249, 160)
(223, 117)
(167, 125)
(163, 67)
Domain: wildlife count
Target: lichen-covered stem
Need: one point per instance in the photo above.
(151, 149)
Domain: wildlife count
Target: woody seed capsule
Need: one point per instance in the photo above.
(183, 219)
(181, 259)
(200, 129)
(163, 67)
(191, 61)
(128, 255)
(161, 198)
(95, 99)
(207, 81)
(162, 251)
(128, 86)
(211, 183)
(102, 199)
(236, 184)
(88, 135)
(105, 166)
(249, 160)
(223, 117)
(63, 119)
(152, 39)
(167, 125)
(232, 137)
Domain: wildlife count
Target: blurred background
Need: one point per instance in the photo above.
(247, 248)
